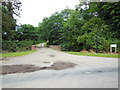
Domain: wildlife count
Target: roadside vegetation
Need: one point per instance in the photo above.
(16, 54)
(93, 27)
(90, 26)
(16, 38)
(94, 54)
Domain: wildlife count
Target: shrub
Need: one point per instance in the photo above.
(14, 46)
(9, 46)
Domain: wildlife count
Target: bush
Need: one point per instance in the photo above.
(14, 46)
(9, 46)
(24, 45)
(45, 45)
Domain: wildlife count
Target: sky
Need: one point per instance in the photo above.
(33, 11)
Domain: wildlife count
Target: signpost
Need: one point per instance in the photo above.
(113, 46)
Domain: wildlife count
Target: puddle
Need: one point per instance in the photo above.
(9, 69)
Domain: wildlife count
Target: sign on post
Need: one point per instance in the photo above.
(113, 46)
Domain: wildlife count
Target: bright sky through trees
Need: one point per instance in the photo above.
(33, 11)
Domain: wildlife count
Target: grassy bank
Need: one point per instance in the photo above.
(94, 54)
(16, 54)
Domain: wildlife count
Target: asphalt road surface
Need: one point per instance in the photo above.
(90, 72)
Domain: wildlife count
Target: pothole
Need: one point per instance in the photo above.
(3, 59)
(62, 65)
(46, 62)
(9, 69)
(52, 55)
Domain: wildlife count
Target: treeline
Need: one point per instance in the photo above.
(91, 26)
(14, 37)
(24, 37)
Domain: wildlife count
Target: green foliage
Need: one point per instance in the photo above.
(71, 31)
(94, 27)
(45, 45)
(27, 32)
(94, 32)
(13, 46)
(10, 39)
(8, 45)
(24, 45)
(50, 28)
(109, 12)
(8, 21)
(8, 25)
(25, 37)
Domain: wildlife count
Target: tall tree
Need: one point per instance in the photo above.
(9, 10)
(27, 32)
(71, 30)
(50, 28)
(92, 25)
(110, 12)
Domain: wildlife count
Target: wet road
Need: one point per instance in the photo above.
(90, 72)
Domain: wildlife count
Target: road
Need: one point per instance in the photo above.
(90, 72)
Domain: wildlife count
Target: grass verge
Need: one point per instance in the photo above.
(94, 54)
(16, 54)
(36, 44)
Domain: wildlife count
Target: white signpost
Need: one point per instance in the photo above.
(113, 46)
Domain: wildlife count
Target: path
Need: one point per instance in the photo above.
(91, 72)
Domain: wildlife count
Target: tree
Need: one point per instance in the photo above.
(13, 6)
(94, 32)
(65, 14)
(79, 29)
(50, 28)
(8, 25)
(9, 9)
(109, 12)
(27, 32)
(70, 32)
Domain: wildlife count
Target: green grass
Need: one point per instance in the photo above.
(95, 54)
(36, 44)
(16, 54)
